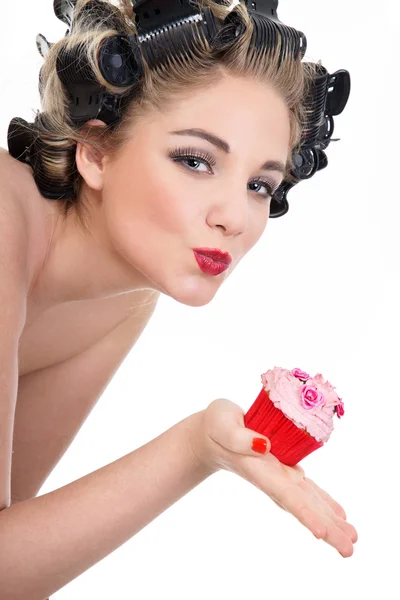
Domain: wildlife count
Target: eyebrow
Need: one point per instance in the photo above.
(270, 165)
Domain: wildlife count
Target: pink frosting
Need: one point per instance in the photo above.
(310, 403)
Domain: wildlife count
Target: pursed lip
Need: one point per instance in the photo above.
(215, 254)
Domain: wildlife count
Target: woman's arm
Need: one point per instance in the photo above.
(48, 541)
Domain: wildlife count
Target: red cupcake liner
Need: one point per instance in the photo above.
(289, 443)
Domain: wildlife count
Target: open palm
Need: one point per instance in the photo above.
(223, 442)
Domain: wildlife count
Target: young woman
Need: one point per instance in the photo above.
(104, 218)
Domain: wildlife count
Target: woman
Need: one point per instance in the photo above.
(106, 216)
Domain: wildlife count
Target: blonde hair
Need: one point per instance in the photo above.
(57, 135)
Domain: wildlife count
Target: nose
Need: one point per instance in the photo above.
(229, 211)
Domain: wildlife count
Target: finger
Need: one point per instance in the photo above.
(321, 505)
(348, 529)
(339, 510)
(326, 504)
(337, 538)
(293, 500)
(321, 525)
(227, 429)
(244, 441)
(299, 470)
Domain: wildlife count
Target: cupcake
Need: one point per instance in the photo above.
(295, 411)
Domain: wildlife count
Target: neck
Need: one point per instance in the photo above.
(80, 263)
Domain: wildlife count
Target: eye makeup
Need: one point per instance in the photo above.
(182, 154)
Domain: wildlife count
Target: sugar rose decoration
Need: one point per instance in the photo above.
(311, 397)
(339, 408)
(318, 392)
(300, 374)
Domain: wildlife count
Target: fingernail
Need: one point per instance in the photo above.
(259, 445)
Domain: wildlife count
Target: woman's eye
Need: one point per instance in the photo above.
(192, 163)
(193, 159)
(259, 184)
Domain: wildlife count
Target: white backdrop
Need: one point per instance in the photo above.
(320, 291)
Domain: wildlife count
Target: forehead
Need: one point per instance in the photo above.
(244, 112)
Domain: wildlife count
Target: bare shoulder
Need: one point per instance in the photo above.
(19, 198)
(16, 184)
(14, 175)
(14, 219)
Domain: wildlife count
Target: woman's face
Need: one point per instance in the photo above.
(159, 205)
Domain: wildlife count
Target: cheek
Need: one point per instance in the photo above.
(258, 225)
(161, 206)
(161, 197)
(145, 196)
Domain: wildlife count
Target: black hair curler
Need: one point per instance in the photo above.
(166, 27)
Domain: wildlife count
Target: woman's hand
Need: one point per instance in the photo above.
(221, 441)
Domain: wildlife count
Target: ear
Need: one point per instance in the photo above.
(91, 162)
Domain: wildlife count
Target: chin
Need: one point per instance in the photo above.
(193, 293)
(195, 302)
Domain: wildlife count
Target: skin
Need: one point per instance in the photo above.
(148, 211)
(221, 441)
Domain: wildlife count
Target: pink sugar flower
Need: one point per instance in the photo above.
(311, 397)
(339, 408)
(300, 374)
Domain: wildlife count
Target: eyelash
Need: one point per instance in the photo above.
(181, 154)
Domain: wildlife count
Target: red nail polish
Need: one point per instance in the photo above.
(259, 445)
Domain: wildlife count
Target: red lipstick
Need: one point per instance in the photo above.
(212, 261)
